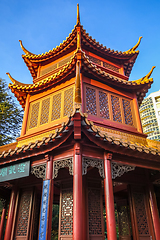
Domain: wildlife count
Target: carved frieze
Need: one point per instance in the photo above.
(62, 163)
(92, 162)
(118, 169)
(39, 171)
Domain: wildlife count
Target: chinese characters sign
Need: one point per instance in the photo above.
(44, 210)
(14, 171)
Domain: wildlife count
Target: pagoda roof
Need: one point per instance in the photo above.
(140, 86)
(127, 58)
(112, 144)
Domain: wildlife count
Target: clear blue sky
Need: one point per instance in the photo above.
(44, 24)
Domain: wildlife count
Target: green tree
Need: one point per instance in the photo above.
(10, 116)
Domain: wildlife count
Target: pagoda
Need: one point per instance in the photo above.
(81, 148)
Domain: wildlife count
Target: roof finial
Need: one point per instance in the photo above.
(78, 16)
(132, 50)
(24, 49)
(11, 78)
(149, 74)
(78, 84)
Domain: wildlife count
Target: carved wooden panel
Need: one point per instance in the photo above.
(66, 215)
(95, 60)
(114, 68)
(142, 226)
(127, 112)
(34, 115)
(56, 107)
(103, 105)
(94, 211)
(91, 101)
(116, 109)
(23, 214)
(45, 111)
(105, 64)
(141, 215)
(68, 102)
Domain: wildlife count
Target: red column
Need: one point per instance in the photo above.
(2, 220)
(49, 173)
(9, 224)
(109, 199)
(154, 211)
(77, 193)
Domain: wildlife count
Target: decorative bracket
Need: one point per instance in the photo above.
(39, 171)
(68, 162)
(93, 162)
(118, 169)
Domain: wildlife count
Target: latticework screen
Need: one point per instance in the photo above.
(34, 115)
(109, 106)
(23, 214)
(51, 108)
(66, 225)
(68, 102)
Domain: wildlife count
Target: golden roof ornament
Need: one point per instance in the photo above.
(24, 49)
(132, 50)
(78, 85)
(78, 15)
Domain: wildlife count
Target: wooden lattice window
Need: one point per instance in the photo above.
(103, 105)
(103, 63)
(141, 215)
(116, 109)
(127, 112)
(56, 107)
(94, 211)
(66, 226)
(45, 111)
(107, 105)
(91, 101)
(23, 214)
(34, 115)
(68, 101)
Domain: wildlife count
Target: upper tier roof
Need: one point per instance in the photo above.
(140, 87)
(126, 58)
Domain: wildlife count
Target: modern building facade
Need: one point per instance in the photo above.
(150, 115)
(81, 147)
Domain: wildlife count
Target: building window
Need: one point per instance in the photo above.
(108, 105)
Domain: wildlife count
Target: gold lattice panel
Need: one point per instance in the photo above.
(34, 115)
(127, 112)
(56, 107)
(116, 109)
(45, 111)
(66, 227)
(68, 102)
(23, 215)
(91, 101)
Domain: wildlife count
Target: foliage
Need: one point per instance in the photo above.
(10, 116)
(55, 222)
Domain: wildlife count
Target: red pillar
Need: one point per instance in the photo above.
(2, 220)
(154, 211)
(9, 224)
(77, 193)
(109, 199)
